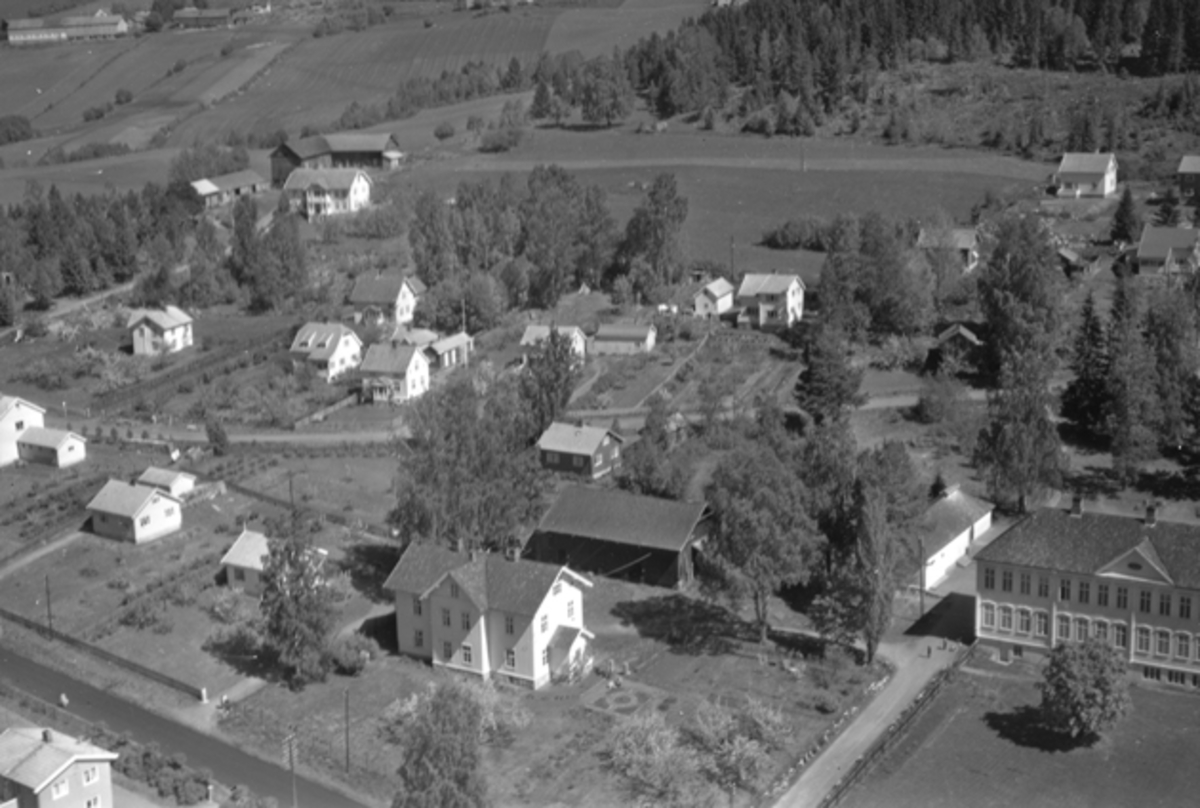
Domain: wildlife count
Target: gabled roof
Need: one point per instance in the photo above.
(536, 333)
(415, 336)
(202, 13)
(12, 402)
(956, 330)
(320, 340)
(1162, 243)
(248, 551)
(122, 499)
(421, 566)
(24, 24)
(452, 342)
(329, 179)
(227, 182)
(34, 757)
(576, 440)
(155, 476)
(616, 516)
(344, 142)
(717, 289)
(949, 517)
(97, 19)
(389, 359)
(162, 319)
(307, 147)
(754, 285)
(624, 332)
(380, 290)
(562, 639)
(1189, 164)
(47, 438)
(957, 238)
(1082, 163)
(1053, 539)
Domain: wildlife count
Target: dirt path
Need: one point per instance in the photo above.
(62, 308)
(25, 560)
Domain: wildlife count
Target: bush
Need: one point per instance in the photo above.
(807, 233)
(351, 653)
(227, 49)
(501, 140)
(444, 131)
(124, 96)
(94, 113)
(940, 400)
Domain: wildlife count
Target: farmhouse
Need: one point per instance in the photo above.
(714, 299)
(946, 531)
(243, 563)
(176, 483)
(386, 297)
(202, 17)
(222, 190)
(134, 512)
(342, 150)
(770, 301)
(450, 351)
(394, 373)
(331, 349)
(160, 331)
(573, 333)
(1086, 175)
(43, 767)
(617, 338)
(586, 450)
(16, 416)
(622, 535)
(328, 191)
(1168, 250)
(1061, 575)
(963, 241)
(1189, 176)
(51, 447)
(489, 616)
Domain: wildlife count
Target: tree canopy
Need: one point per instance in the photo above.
(1085, 688)
(441, 765)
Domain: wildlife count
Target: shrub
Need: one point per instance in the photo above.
(444, 131)
(501, 140)
(144, 614)
(352, 652)
(241, 640)
(124, 96)
(807, 233)
(227, 49)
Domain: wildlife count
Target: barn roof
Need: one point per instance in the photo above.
(228, 182)
(616, 516)
(154, 476)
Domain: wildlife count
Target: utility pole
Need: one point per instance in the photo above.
(731, 263)
(289, 752)
(347, 729)
(292, 500)
(49, 612)
(921, 557)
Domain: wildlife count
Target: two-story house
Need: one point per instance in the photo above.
(331, 349)
(1062, 575)
(43, 768)
(394, 373)
(770, 301)
(1082, 174)
(319, 192)
(489, 615)
(16, 416)
(387, 297)
(714, 299)
(135, 513)
(1168, 251)
(160, 331)
(586, 450)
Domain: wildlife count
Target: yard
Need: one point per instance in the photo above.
(978, 745)
(356, 485)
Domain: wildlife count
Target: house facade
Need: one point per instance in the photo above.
(176, 483)
(134, 512)
(1188, 176)
(45, 768)
(1168, 250)
(16, 416)
(573, 333)
(490, 616)
(1065, 574)
(386, 298)
(614, 338)
(160, 331)
(962, 241)
(770, 301)
(320, 192)
(588, 451)
(1086, 175)
(218, 191)
(51, 447)
(340, 150)
(714, 299)
(394, 373)
(330, 349)
(243, 562)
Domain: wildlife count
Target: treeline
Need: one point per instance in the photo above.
(501, 246)
(15, 128)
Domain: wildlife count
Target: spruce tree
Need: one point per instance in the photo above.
(1125, 221)
(829, 384)
(1172, 336)
(1133, 409)
(1085, 400)
(543, 106)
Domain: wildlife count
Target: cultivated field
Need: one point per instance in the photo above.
(37, 78)
(594, 31)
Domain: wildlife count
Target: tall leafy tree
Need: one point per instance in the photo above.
(1133, 406)
(829, 384)
(548, 379)
(441, 766)
(297, 609)
(1169, 213)
(1085, 400)
(432, 240)
(1172, 337)
(1085, 689)
(654, 230)
(1125, 224)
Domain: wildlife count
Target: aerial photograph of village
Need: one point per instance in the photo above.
(599, 403)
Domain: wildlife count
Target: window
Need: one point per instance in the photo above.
(546, 655)
(1144, 602)
(1024, 621)
(1006, 580)
(509, 625)
(1122, 597)
(1085, 591)
(1162, 645)
(557, 588)
(1164, 604)
(453, 590)
(577, 461)
(169, 512)
(1183, 646)
(1041, 624)
(989, 578)
(1006, 618)
(1176, 677)
(446, 618)
(466, 654)
(466, 621)
(1026, 578)
(545, 624)
(1081, 629)
(447, 652)
(1064, 628)
(510, 658)
(987, 615)
(417, 606)
(93, 802)
(20, 425)
(1043, 586)
(1102, 594)
(1185, 607)
(419, 638)
(1100, 631)
(570, 610)
(145, 520)
(551, 457)
(1154, 674)
(1143, 640)
(1064, 589)
(90, 775)
(239, 574)
(1121, 635)
(60, 789)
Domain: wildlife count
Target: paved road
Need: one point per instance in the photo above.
(229, 765)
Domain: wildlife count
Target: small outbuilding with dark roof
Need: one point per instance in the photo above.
(587, 450)
(1189, 176)
(624, 338)
(621, 535)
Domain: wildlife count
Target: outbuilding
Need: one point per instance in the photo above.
(586, 450)
(51, 447)
(624, 338)
(176, 483)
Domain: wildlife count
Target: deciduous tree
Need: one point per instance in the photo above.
(1085, 688)
(442, 766)
(1131, 394)
(297, 609)
(654, 229)
(828, 385)
(548, 379)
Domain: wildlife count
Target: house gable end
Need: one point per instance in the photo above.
(1140, 563)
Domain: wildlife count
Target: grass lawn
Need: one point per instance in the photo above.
(976, 746)
(361, 486)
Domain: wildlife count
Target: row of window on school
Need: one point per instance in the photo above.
(1168, 604)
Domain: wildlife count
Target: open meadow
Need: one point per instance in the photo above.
(596, 30)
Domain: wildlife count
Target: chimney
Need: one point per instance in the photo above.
(1151, 513)
(1077, 505)
(512, 552)
(47, 736)
(474, 553)
(459, 546)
